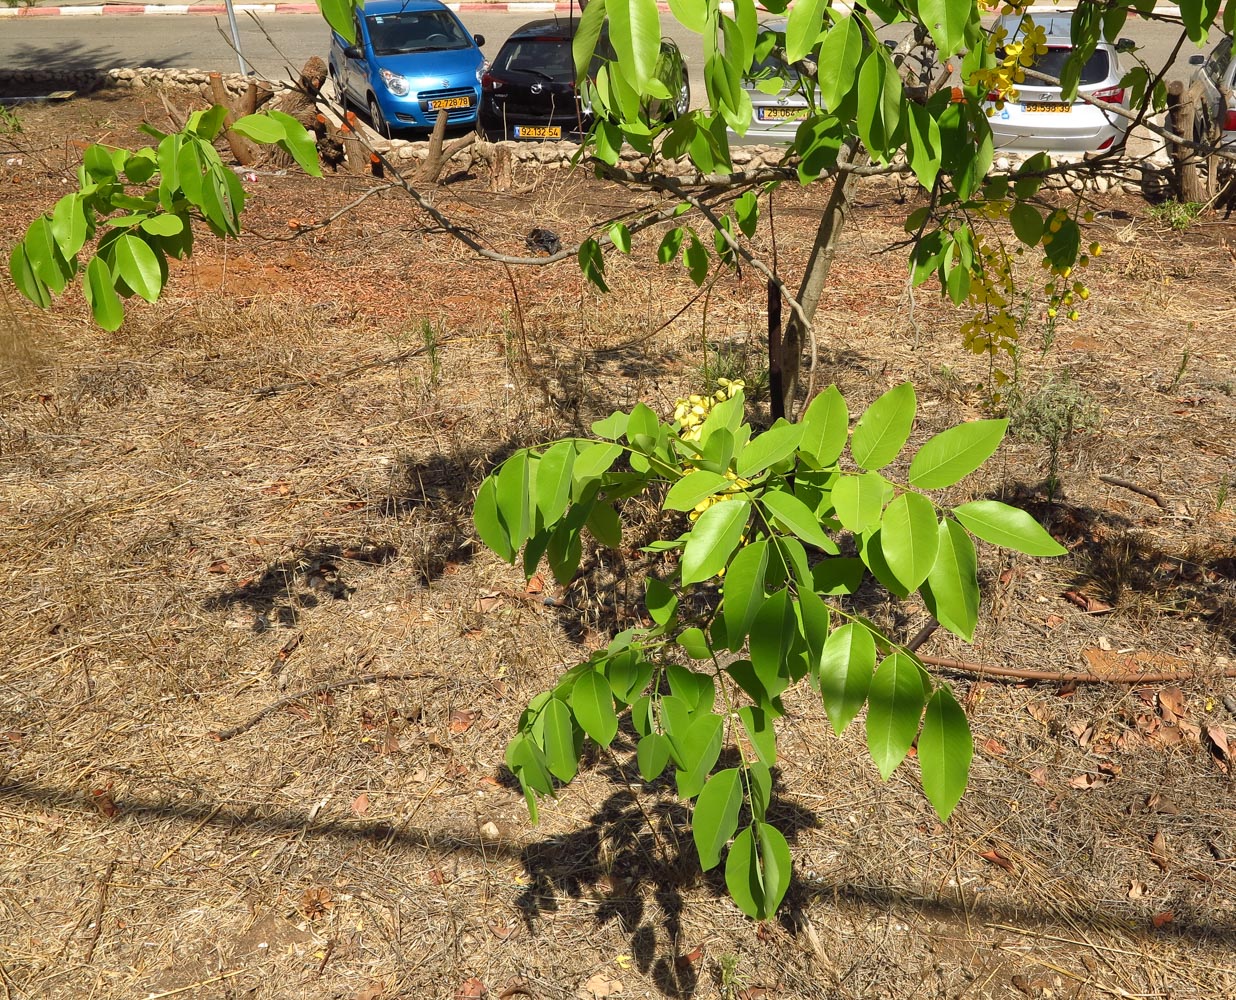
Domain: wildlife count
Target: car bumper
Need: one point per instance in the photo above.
(414, 111)
(1082, 129)
(518, 127)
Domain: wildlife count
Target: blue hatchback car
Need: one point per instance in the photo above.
(412, 59)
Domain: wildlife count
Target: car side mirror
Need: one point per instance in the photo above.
(352, 52)
(1197, 60)
(1125, 45)
(479, 39)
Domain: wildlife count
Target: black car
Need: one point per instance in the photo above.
(529, 92)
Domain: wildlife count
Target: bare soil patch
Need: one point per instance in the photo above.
(262, 485)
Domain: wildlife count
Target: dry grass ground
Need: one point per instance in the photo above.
(261, 486)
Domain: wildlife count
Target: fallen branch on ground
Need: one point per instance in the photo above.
(249, 723)
(1139, 490)
(991, 670)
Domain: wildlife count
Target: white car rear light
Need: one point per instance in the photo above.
(1115, 95)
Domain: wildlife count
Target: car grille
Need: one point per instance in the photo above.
(452, 114)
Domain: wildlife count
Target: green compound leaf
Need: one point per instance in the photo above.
(715, 536)
(882, 431)
(894, 707)
(826, 425)
(592, 701)
(945, 748)
(694, 487)
(846, 665)
(953, 454)
(562, 746)
(1008, 527)
(795, 515)
(743, 591)
(910, 538)
(952, 590)
(859, 500)
(715, 817)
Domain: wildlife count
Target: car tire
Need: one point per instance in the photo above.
(341, 95)
(378, 120)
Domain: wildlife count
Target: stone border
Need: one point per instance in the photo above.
(1131, 176)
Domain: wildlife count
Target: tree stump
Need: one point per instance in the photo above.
(1196, 170)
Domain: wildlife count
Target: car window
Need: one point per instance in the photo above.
(1051, 63)
(415, 31)
(543, 56)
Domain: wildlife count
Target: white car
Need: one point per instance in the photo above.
(1038, 120)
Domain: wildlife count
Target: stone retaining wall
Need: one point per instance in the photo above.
(1146, 156)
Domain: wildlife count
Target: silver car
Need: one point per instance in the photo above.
(1216, 76)
(774, 117)
(1038, 120)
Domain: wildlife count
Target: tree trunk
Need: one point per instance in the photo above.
(819, 264)
(1195, 171)
(243, 151)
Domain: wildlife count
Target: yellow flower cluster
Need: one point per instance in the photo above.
(1003, 78)
(992, 329)
(1063, 291)
(690, 413)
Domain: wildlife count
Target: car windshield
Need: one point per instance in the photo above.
(416, 31)
(548, 58)
(1051, 63)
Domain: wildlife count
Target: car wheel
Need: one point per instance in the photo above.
(377, 120)
(341, 95)
(683, 104)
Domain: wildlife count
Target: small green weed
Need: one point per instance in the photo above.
(1179, 215)
(737, 362)
(1052, 415)
(10, 123)
(432, 337)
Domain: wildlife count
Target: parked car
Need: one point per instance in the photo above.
(411, 59)
(529, 92)
(1038, 120)
(774, 117)
(1215, 75)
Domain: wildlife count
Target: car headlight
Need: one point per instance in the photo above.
(395, 83)
(480, 70)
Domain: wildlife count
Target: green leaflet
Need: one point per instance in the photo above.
(848, 659)
(1008, 527)
(100, 288)
(945, 748)
(562, 743)
(894, 707)
(840, 53)
(953, 454)
(775, 445)
(138, 266)
(826, 425)
(795, 515)
(859, 500)
(713, 539)
(635, 33)
(694, 487)
(743, 591)
(951, 591)
(715, 817)
(758, 869)
(909, 538)
(802, 29)
(592, 702)
(884, 428)
(946, 20)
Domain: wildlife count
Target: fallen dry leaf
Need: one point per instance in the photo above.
(1088, 781)
(1163, 918)
(501, 929)
(997, 859)
(218, 566)
(1216, 737)
(461, 721)
(371, 992)
(1136, 889)
(316, 902)
(360, 804)
(536, 584)
(1038, 776)
(471, 989)
(1090, 605)
(1171, 705)
(488, 601)
(102, 798)
(598, 987)
(994, 747)
(1158, 851)
(517, 987)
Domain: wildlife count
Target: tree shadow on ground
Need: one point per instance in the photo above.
(616, 859)
(76, 58)
(1130, 572)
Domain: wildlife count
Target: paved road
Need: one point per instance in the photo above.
(201, 42)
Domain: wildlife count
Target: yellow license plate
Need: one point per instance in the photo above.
(781, 114)
(538, 131)
(1054, 108)
(446, 103)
